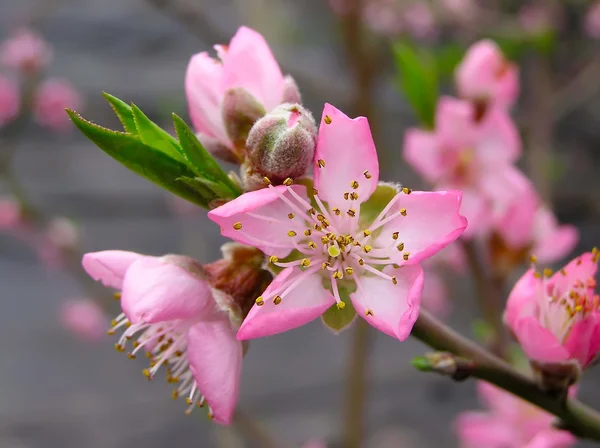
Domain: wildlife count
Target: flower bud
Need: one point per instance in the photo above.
(282, 143)
(240, 111)
(291, 93)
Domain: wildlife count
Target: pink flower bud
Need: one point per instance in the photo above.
(240, 111)
(25, 51)
(63, 233)
(84, 319)
(291, 93)
(282, 143)
(10, 100)
(486, 76)
(10, 213)
(51, 99)
(592, 21)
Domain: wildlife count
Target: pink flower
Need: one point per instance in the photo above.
(509, 422)
(592, 21)
(435, 295)
(354, 243)
(383, 17)
(473, 156)
(171, 308)
(10, 101)
(556, 318)
(537, 18)
(25, 51)
(419, 20)
(84, 318)
(10, 213)
(461, 10)
(484, 75)
(51, 99)
(246, 63)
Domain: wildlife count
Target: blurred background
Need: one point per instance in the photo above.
(69, 389)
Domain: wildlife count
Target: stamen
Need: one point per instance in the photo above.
(291, 233)
(406, 255)
(327, 119)
(289, 181)
(277, 300)
(367, 174)
(351, 212)
(406, 190)
(259, 301)
(354, 184)
(395, 235)
(321, 163)
(273, 259)
(290, 215)
(403, 211)
(237, 226)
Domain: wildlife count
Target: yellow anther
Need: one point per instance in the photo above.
(325, 223)
(266, 181)
(547, 272)
(405, 255)
(367, 248)
(117, 296)
(305, 263)
(290, 215)
(354, 184)
(119, 347)
(563, 271)
(334, 251)
(368, 312)
(403, 211)
(321, 163)
(273, 259)
(394, 280)
(146, 373)
(289, 181)
(406, 190)
(175, 394)
(325, 265)
(317, 227)
(395, 235)
(312, 245)
(361, 261)
(110, 332)
(367, 232)
(351, 212)
(337, 211)
(277, 300)
(130, 355)
(400, 247)
(349, 270)
(341, 305)
(308, 232)
(291, 233)
(324, 239)
(346, 195)
(367, 174)
(327, 119)
(354, 196)
(259, 301)
(312, 211)
(315, 191)
(537, 275)
(533, 259)
(237, 226)
(337, 275)
(321, 217)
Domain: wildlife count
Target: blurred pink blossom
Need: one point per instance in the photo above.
(419, 20)
(508, 422)
(10, 100)
(537, 18)
(10, 213)
(53, 244)
(53, 96)
(592, 21)
(383, 17)
(84, 318)
(486, 76)
(26, 51)
(434, 297)
(461, 10)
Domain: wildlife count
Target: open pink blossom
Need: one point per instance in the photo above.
(509, 422)
(247, 63)
(10, 213)
(556, 318)
(10, 100)
(171, 308)
(51, 99)
(485, 76)
(469, 155)
(346, 237)
(84, 318)
(592, 21)
(26, 51)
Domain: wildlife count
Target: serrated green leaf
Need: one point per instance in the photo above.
(338, 319)
(417, 79)
(199, 159)
(153, 135)
(141, 158)
(123, 112)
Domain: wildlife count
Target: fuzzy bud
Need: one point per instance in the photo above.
(240, 111)
(282, 143)
(291, 93)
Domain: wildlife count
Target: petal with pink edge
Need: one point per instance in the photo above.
(204, 91)
(345, 154)
(559, 244)
(391, 308)
(249, 63)
(432, 222)
(109, 266)
(552, 438)
(498, 139)
(423, 152)
(306, 301)
(260, 219)
(579, 343)
(480, 429)
(580, 268)
(502, 403)
(475, 208)
(539, 343)
(522, 300)
(215, 358)
(158, 291)
(454, 122)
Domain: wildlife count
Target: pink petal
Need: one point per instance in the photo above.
(500, 402)
(522, 299)
(435, 296)
(479, 429)
(301, 305)
(249, 63)
(476, 210)
(581, 342)
(517, 225)
(579, 269)
(552, 438)
(215, 358)
(422, 151)
(552, 241)
(498, 139)
(432, 222)
(395, 307)
(84, 318)
(156, 291)
(454, 123)
(346, 147)
(204, 91)
(537, 342)
(269, 234)
(109, 266)
(10, 100)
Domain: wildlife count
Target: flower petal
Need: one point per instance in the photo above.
(249, 63)
(498, 139)
(537, 342)
(454, 122)
(270, 233)
(522, 299)
(552, 241)
(432, 222)
(581, 336)
(215, 358)
(109, 266)
(422, 151)
(502, 403)
(435, 296)
(580, 268)
(475, 208)
(204, 92)
(394, 307)
(346, 148)
(302, 304)
(480, 429)
(552, 438)
(156, 291)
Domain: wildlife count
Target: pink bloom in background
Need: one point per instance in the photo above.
(53, 244)
(473, 156)
(51, 99)
(383, 17)
(508, 422)
(419, 20)
(84, 319)
(10, 213)
(170, 307)
(461, 10)
(556, 319)
(340, 244)
(10, 100)
(26, 51)
(592, 21)
(484, 75)
(537, 18)
(246, 63)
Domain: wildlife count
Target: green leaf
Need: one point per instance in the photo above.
(152, 135)
(370, 209)
(141, 158)
(338, 319)
(417, 79)
(447, 58)
(123, 112)
(208, 188)
(199, 159)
